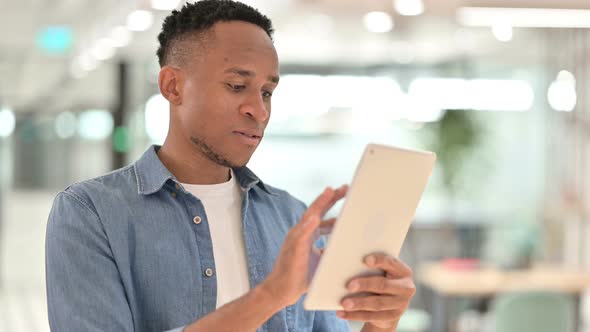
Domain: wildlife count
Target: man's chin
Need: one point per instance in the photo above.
(232, 157)
(242, 162)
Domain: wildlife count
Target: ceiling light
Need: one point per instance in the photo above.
(378, 22)
(317, 95)
(103, 49)
(65, 125)
(419, 110)
(409, 7)
(524, 17)
(7, 122)
(121, 36)
(562, 92)
(140, 20)
(502, 32)
(291, 103)
(444, 93)
(87, 62)
(165, 4)
(95, 124)
(157, 118)
(501, 95)
(479, 94)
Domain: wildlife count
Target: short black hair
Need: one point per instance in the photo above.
(196, 18)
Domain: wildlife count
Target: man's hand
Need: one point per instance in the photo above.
(389, 296)
(289, 279)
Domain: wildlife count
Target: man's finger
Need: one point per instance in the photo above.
(338, 195)
(326, 226)
(382, 285)
(370, 316)
(318, 205)
(374, 303)
(325, 201)
(394, 267)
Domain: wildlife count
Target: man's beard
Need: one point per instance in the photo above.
(212, 155)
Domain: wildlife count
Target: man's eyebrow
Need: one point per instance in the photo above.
(248, 73)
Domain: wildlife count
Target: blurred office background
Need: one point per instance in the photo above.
(498, 88)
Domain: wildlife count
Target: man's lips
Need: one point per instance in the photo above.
(249, 134)
(249, 138)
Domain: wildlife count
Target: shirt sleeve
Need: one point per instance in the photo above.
(84, 289)
(327, 321)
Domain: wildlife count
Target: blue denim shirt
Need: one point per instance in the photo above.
(123, 252)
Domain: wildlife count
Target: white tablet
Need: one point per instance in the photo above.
(376, 215)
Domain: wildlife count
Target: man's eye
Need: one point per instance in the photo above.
(236, 87)
(266, 94)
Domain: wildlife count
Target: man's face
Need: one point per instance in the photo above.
(227, 91)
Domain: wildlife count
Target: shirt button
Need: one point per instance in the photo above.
(208, 272)
(173, 194)
(197, 220)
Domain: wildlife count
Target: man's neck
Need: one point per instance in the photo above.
(190, 166)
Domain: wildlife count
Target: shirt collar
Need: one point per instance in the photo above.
(247, 179)
(152, 175)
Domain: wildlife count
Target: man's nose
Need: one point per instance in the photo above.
(256, 108)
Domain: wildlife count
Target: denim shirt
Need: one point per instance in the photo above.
(123, 252)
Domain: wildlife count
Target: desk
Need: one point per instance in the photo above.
(488, 281)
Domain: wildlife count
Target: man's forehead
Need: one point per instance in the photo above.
(230, 46)
(248, 73)
(248, 61)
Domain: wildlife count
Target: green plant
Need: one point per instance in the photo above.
(454, 137)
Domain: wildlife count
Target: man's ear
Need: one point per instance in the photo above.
(170, 81)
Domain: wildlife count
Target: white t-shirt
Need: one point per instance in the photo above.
(223, 206)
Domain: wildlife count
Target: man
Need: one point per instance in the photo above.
(187, 238)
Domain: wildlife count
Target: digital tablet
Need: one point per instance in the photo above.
(376, 215)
